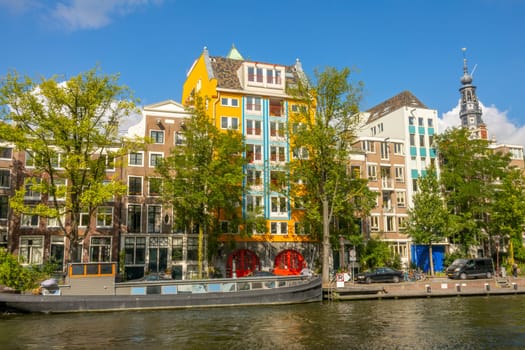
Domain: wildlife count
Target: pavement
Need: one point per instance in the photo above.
(432, 287)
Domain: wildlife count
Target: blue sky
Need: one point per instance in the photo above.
(395, 45)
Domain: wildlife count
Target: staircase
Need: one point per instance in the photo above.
(502, 282)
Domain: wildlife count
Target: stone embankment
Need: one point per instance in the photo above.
(432, 287)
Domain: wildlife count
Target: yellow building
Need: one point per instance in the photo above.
(250, 97)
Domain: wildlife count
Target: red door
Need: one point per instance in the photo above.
(243, 261)
(288, 262)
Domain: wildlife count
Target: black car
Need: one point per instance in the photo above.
(380, 274)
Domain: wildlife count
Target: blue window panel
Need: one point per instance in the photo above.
(430, 131)
(216, 287)
(411, 129)
(138, 290)
(423, 173)
(415, 174)
(432, 152)
(421, 130)
(413, 151)
(169, 289)
(423, 152)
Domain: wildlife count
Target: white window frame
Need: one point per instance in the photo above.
(399, 148)
(254, 104)
(374, 223)
(276, 205)
(399, 174)
(141, 185)
(29, 220)
(35, 252)
(135, 164)
(253, 127)
(371, 170)
(280, 154)
(278, 228)
(257, 152)
(229, 123)
(154, 139)
(401, 199)
(277, 129)
(153, 156)
(229, 102)
(105, 216)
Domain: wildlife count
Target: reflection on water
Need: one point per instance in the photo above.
(496, 322)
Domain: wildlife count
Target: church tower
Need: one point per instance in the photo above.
(470, 110)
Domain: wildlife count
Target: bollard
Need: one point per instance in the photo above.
(515, 286)
(458, 287)
(428, 288)
(487, 287)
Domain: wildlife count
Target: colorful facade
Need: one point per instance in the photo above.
(251, 97)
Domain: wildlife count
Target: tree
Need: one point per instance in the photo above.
(16, 276)
(320, 138)
(469, 170)
(507, 214)
(69, 132)
(203, 180)
(428, 218)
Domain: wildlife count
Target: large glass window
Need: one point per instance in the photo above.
(279, 205)
(277, 129)
(253, 127)
(31, 250)
(253, 104)
(254, 204)
(135, 250)
(229, 123)
(277, 154)
(155, 159)
(254, 177)
(29, 220)
(4, 206)
(278, 228)
(134, 185)
(100, 249)
(6, 152)
(136, 158)
(134, 218)
(193, 248)
(154, 218)
(5, 176)
(176, 249)
(253, 153)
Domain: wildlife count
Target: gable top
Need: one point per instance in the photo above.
(166, 106)
(225, 70)
(404, 99)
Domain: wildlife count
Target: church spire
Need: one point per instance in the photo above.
(470, 109)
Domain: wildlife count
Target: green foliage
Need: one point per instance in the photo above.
(202, 180)
(69, 131)
(320, 137)
(377, 253)
(18, 277)
(428, 219)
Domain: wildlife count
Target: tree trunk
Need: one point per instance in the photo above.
(431, 259)
(199, 251)
(326, 245)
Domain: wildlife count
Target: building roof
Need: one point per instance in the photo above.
(225, 70)
(403, 99)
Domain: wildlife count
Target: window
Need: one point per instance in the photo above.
(302, 228)
(155, 184)
(29, 160)
(176, 249)
(300, 153)
(369, 146)
(253, 153)
(229, 123)
(104, 216)
(109, 161)
(180, 138)
(277, 154)
(398, 148)
(84, 218)
(431, 141)
(422, 140)
(155, 159)
(411, 120)
(6, 152)
(31, 250)
(136, 159)
(29, 220)
(4, 206)
(230, 102)
(277, 129)
(276, 107)
(135, 250)
(374, 223)
(412, 139)
(273, 76)
(255, 75)
(430, 123)
(5, 176)
(253, 104)
(193, 248)
(279, 205)
(157, 136)
(401, 199)
(253, 127)
(279, 228)
(400, 174)
(389, 223)
(372, 173)
(420, 121)
(100, 249)
(355, 171)
(254, 204)
(134, 218)
(154, 219)
(134, 185)
(55, 222)
(385, 150)
(30, 193)
(278, 178)
(254, 177)
(401, 223)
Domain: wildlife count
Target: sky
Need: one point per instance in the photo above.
(391, 45)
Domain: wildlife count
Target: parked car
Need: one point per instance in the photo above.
(380, 274)
(471, 268)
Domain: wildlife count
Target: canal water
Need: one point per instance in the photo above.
(495, 322)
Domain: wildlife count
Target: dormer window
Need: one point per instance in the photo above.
(265, 76)
(255, 74)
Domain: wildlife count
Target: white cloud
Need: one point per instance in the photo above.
(94, 14)
(19, 6)
(498, 124)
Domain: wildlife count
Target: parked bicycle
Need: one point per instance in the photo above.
(415, 275)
